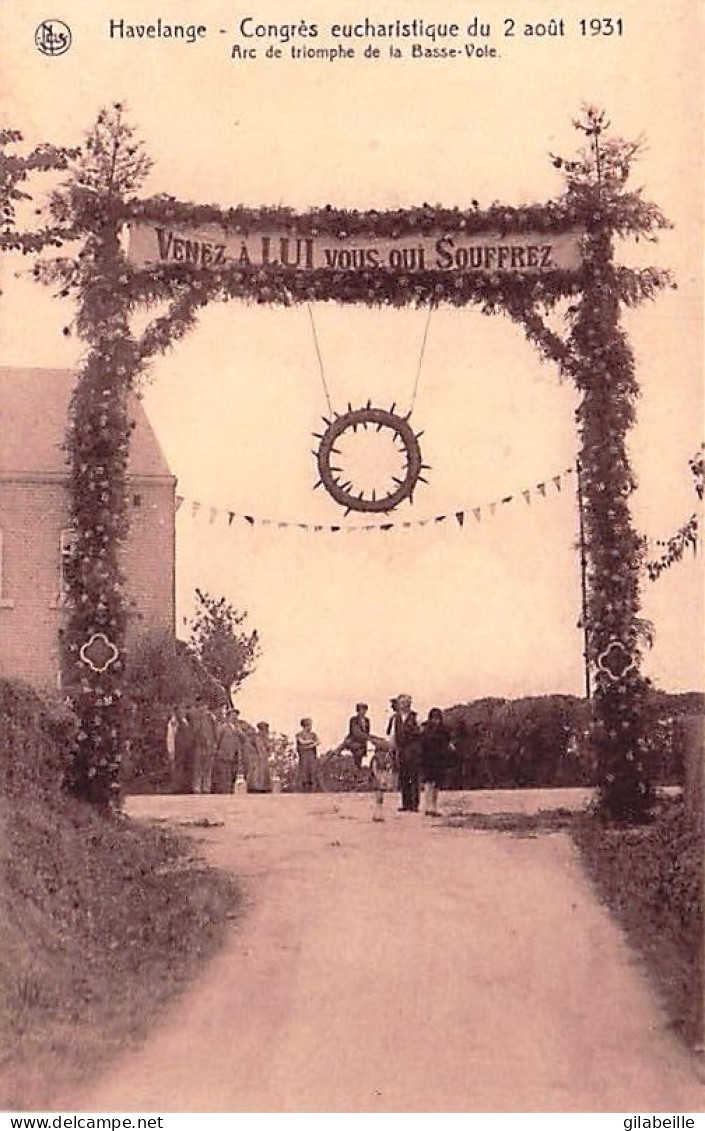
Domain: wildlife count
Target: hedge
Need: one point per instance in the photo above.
(36, 740)
(544, 741)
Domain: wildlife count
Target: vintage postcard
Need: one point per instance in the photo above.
(351, 593)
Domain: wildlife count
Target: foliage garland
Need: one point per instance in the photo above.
(627, 213)
(595, 355)
(677, 544)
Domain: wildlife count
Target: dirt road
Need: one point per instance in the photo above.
(406, 966)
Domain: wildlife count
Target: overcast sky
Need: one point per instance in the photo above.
(444, 612)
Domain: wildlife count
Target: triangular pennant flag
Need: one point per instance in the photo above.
(214, 512)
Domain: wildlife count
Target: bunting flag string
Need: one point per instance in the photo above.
(231, 517)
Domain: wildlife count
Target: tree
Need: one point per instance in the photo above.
(284, 761)
(228, 653)
(161, 673)
(163, 670)
(15, 170)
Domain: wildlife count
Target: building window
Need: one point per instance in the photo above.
(67, 546)
(137, 500)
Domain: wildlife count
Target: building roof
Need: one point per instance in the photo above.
(33, 416)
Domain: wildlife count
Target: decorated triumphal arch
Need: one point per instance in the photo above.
(542, 265)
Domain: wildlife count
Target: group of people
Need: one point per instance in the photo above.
(411, 753)
(210, 751)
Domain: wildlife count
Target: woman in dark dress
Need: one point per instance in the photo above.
(435, 748)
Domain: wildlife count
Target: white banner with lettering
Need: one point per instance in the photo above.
(153, 244)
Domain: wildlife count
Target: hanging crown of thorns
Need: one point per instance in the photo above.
(333, 478)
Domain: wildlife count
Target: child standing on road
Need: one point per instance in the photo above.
(435, 748)
(307, 750)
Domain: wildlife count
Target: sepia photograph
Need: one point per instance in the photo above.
(352, 683)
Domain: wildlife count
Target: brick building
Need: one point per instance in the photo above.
(34, 525)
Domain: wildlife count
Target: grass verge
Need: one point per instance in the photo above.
(102, 921)
(651, 878)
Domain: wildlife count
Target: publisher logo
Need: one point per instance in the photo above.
(52, 37)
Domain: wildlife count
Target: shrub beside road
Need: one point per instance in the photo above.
(101, 920)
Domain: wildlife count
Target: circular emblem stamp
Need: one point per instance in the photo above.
(52, 37)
